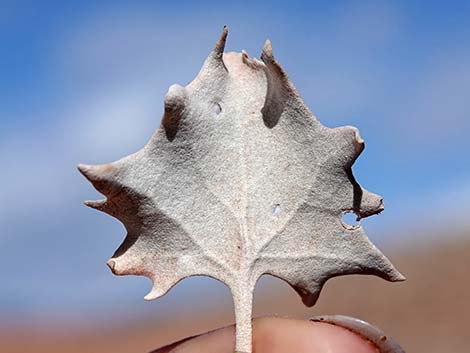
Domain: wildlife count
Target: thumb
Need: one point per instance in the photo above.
(334, 334)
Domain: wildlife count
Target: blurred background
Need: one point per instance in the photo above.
(84, 81)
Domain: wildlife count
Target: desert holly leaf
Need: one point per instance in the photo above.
(239, 181)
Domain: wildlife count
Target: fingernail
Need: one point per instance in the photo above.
(384, 343)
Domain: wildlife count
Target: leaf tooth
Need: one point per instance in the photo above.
(252, 63)
(118, 266)
(122, 263)
(175, 99)
(397, 277)
(357, 135)
(86, 170)
(160, 286)
(282, 98)
(245, 58)
(215, 59)
(268, 58)
(267, 52)
(175, 103)
(154, 293)
(370, 204)
(349, 144)
(309, 296)
(99, 205)
(218, 51)
(101, 176)
(111, 263)
(357, 140)
(382, 267)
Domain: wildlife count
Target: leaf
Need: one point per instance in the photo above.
(239, 181)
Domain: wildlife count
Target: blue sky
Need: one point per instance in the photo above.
(84, 82)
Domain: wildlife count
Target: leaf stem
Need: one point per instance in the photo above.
(243, 304)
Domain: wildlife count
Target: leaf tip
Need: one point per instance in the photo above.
(220, 45)
(267, 52)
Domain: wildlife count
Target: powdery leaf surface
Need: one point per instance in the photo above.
(239, 181)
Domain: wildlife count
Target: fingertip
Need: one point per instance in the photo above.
(275, 335)
(384, 343)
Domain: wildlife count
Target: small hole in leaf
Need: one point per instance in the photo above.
(276, 210)
(217, 109)
(349, 220)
